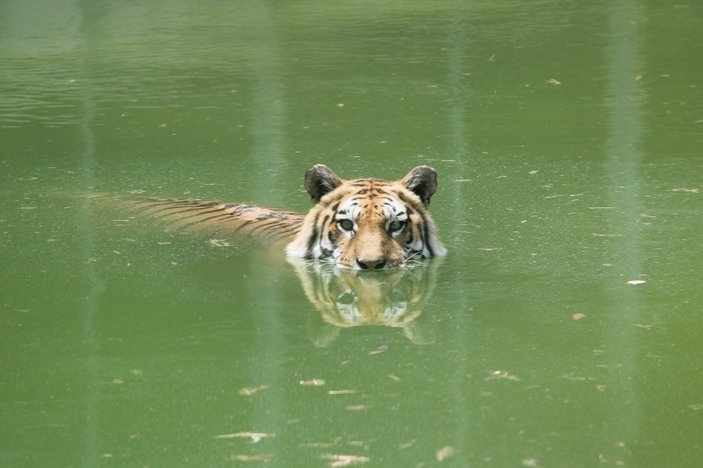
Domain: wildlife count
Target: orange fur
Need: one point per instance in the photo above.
(368, 223)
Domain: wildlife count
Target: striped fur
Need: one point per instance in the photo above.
(368, 223)
(196, 215)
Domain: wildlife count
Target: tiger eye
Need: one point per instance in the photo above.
(396, 225)
(346, 224)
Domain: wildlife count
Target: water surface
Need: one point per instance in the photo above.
(562, 329)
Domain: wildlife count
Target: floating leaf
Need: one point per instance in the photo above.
(312, 382)
(262, 457)
(444, 453)
(254, 436)
(248, 391)
(359, 407)
(345, 460)
(688, 190)
(380, 349)
(502, 375)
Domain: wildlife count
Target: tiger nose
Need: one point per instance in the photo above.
(371, 264)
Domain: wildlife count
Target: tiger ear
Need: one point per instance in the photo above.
(319, 180)
(421, 180)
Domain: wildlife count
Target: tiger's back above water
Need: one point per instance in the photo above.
(359, 223)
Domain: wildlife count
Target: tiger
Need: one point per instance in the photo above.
(358, 224)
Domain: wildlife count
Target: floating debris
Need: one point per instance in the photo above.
(578, 316)
(262, 457)
(334, 442)
(687, 190)
(359, 407)
(394, 377)
(379, 350)
(578, 378)
(341, 392)
(248, 391)
(345, 460)
(444, 453)
(407, 445)
(312, 382)
(636, 282)
(502, 375)
(553, 82)
(254, 436)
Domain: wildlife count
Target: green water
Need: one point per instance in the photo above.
(562, 330)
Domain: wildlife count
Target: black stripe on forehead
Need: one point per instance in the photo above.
(396, 207)
(324, 252)
(313, 236)
(409, 201)
(350, 202)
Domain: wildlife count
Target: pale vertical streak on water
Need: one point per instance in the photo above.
(267, 151)
(623, 158)
(459, 147)
(268, 110)
(86, 225)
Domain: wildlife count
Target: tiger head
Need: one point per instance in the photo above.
(368, 224)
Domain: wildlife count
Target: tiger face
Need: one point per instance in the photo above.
(368, 224)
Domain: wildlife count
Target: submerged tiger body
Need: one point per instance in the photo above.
(358, 224)
(267, 224)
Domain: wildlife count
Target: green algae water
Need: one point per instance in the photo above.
(563, 329)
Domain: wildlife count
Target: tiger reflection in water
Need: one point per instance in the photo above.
(347, 298)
